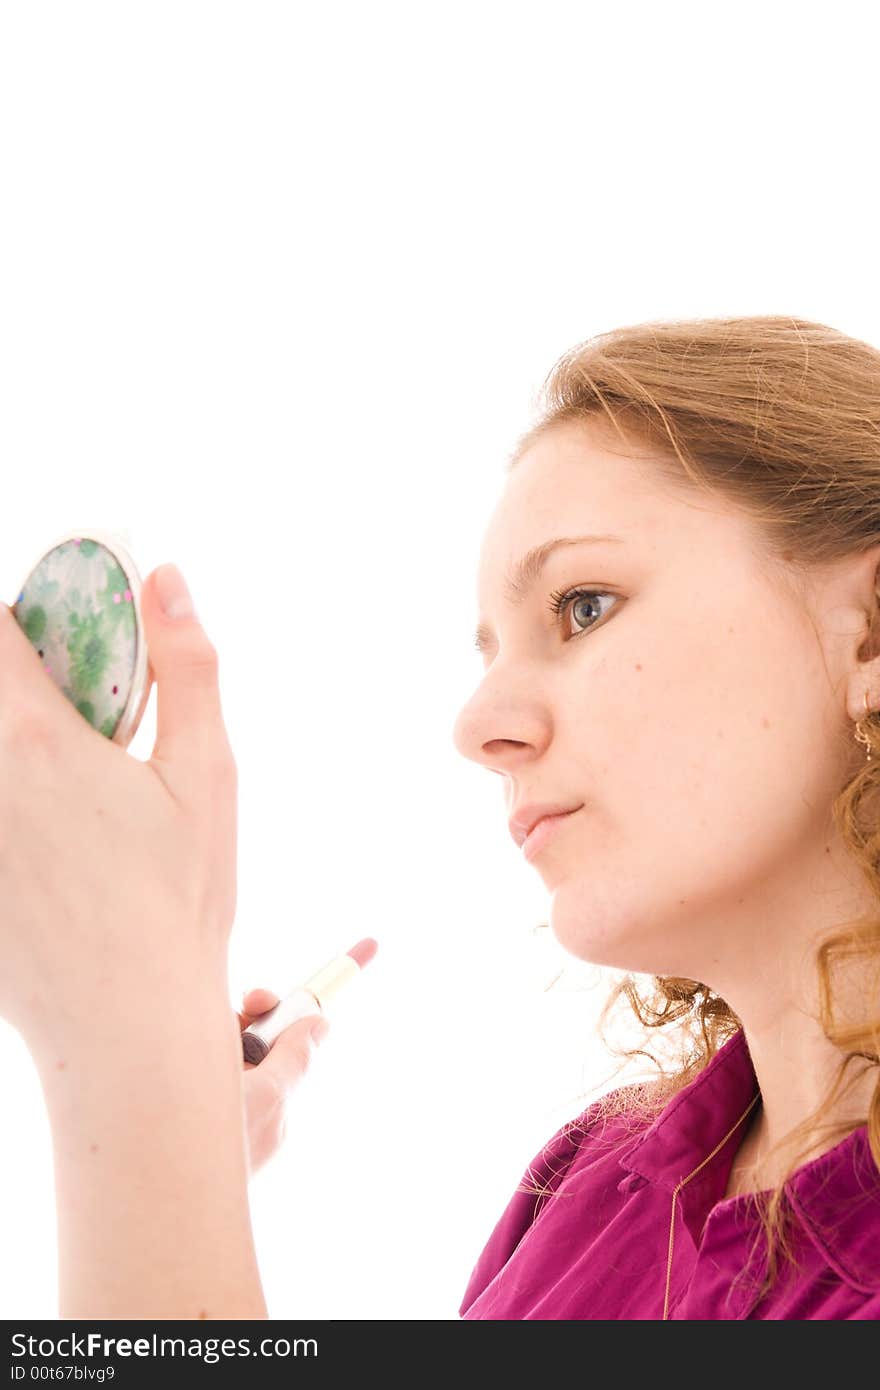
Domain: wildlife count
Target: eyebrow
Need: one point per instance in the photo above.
(523, 575)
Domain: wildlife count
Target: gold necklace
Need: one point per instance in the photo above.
(684, 1183)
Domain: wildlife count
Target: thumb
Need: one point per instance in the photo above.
(189, 718)
(289, 1057)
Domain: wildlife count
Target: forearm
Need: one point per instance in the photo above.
(150, 1165)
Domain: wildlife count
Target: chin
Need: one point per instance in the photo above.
(604, 935)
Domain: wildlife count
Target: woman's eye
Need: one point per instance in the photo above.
(580, 601)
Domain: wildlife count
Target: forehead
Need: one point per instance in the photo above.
(571, 481)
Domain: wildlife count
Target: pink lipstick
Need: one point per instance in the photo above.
(309, 998)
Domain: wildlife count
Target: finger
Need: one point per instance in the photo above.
(258, 1001)
(255, 1003)
(289, 1056)
(189, 718)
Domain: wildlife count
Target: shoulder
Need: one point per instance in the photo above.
(579, 1159)
(597, 1133)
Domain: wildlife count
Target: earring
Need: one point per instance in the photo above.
(861, 734)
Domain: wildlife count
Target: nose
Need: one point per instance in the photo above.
(498, 734)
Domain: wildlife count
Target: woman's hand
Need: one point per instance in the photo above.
(117, 876)
(267, 1084)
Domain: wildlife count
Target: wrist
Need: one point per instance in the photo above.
(138, 1029)
(150, 1157)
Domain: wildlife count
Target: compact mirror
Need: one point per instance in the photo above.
(79, 608)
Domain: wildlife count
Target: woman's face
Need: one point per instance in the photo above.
(687, 704)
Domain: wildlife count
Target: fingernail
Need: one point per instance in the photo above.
(319, 1031)
(174, 596)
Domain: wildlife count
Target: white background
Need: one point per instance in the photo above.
(279, 284)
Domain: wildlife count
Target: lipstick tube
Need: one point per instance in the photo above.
(306, 999)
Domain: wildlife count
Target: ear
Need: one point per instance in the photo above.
(869, 651)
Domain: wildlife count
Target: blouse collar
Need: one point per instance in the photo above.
(836, 1196)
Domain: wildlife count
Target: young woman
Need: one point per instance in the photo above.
(681, 639)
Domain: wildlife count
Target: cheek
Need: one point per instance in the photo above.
(699, 720)
(702, 765)
(704, 777)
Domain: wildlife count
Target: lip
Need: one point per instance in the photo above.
(544, 830)
(523, 822)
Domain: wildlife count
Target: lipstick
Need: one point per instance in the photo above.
(309, 998)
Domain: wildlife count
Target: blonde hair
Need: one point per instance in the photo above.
(782, 417)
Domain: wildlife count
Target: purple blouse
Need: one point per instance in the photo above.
(597, 1247)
